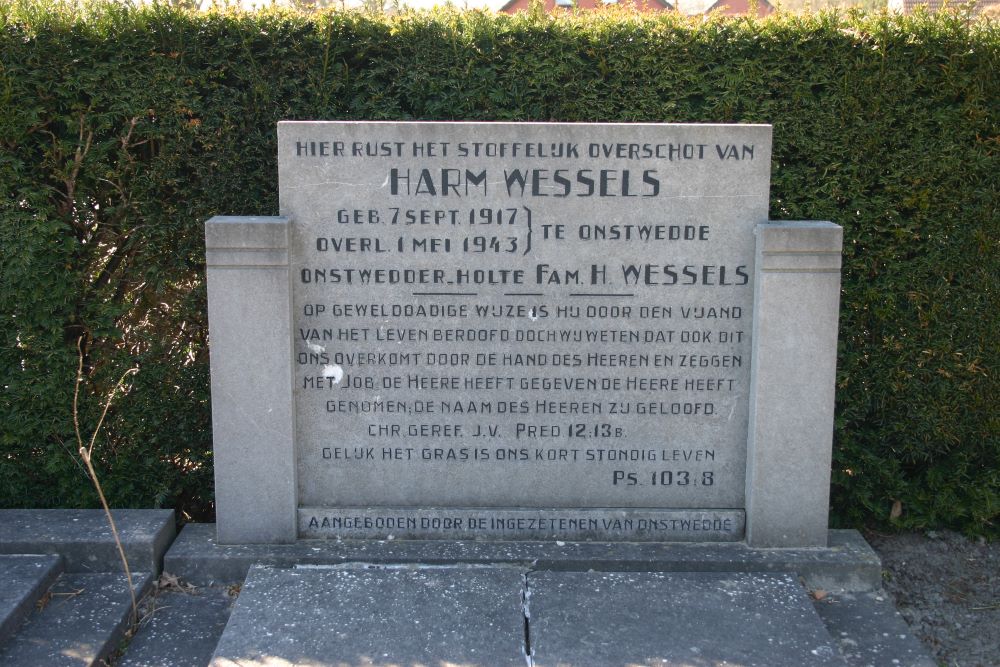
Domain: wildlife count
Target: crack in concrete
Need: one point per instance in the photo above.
(529, 656)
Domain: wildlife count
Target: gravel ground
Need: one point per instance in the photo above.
(947, 588)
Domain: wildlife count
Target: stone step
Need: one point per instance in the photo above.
(397, 615)
(848, 564)
(504, 615)
(180, 627)
(84, 539)
(593, 619)
(25, 579)
(870, 632)
(78, 622)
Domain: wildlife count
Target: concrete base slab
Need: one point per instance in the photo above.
(179, 629)
(870, 632)
(847, 564)
(80, 623)
(84, 540)
(584, 619)
(25, 579)
(473, 615)
(359, 616)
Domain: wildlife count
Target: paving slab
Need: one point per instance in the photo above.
(388, 616)
(690, 619)
(849, 563)
(25, 578)
(84, 540)
(83, 618)
(179, 629)
(870, 632)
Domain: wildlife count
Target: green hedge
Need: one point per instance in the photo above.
(123, 129)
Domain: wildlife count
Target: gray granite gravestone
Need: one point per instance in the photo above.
(521, 332)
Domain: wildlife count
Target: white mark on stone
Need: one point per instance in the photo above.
(532, 316)
(315, 349)
(333, 371)
(732, 408)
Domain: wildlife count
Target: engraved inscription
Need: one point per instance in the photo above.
(522, 316)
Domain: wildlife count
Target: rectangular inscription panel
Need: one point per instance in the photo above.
(534, 316)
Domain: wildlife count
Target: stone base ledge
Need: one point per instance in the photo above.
(848, 564)
(84, 540)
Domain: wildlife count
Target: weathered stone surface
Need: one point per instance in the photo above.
(25, 579)
(848, 564)
(81, 622)
(253, 429)
(644, 618)
(84, 539)
(869, 631)
(544, 315)
(462, 325)
(797, 295)
(398, 616)
(179, 629)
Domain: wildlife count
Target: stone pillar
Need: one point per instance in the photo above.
(792, 377)
(253, 417)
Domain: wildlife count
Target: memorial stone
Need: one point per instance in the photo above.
(509, 331)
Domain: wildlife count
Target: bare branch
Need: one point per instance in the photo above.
(76, 390)
(107, 404)
(85, 454)
(84, 142)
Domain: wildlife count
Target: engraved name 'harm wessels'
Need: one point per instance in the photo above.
(550, 319)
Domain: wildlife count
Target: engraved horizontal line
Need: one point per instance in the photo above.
(600, 294)
(802, 252)
(524, 293)
(515, 509)
(800, 270)
(445, 293)
(240, 256)
(322, 183)
(245, 248)
(248, 266)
